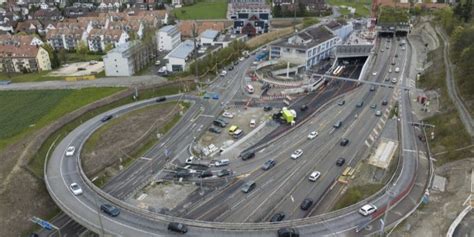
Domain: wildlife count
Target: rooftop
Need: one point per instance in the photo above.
(167, 28)
(306, 39)
(182, 51)
(209, 34)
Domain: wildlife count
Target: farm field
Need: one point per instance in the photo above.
(362, 6)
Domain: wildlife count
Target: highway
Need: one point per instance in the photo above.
(257, 205)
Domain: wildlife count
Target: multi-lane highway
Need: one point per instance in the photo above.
(280, 189)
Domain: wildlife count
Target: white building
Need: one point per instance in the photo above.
(208, 37)
(179, 56)
(129, 58)
(168, 37)
(341, 29)
(305, 48)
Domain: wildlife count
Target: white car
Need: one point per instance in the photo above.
(223, 73)
(314, 176)
(374, 74)
(394, 80)
(296, 154)
(252, 123)
(367, 209)
(70, 151)
(313, 135)
(227, 114)
(241, 59)
(76, 190)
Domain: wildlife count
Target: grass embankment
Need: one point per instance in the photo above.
(203, 9)
(450, 133)
(37, 163)
(24, 112)
(362, 7)
(356, 194)
(146, 144)
(262, 39)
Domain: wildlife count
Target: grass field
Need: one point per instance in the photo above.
(356, 194)
(26, 111)
(362, 6)
(203, 9)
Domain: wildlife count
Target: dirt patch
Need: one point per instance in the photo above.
(434, 218)
(166, 195)
(73, 69)
(115, 142)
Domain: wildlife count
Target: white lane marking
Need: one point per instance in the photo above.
(408, 150)
(367, 143)
(145, 158)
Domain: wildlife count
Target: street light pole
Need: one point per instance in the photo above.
(98, 214)
(390, 195)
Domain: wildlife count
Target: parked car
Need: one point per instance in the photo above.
(223, 172)
(297, 154)
(268, 164)
(312, 135)
(177, 227)
(205, 174)
(70, 151)
(182, 173)
(306, 204)
(220, 163)
(227, 114)
(106, 118)
(267, 108)
(277, 217)
(252, 123)
(76, 190)
(340, 161)
(110, 210)
(367, 209)
(215, 130)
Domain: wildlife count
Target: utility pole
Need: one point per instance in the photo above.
(294, 15)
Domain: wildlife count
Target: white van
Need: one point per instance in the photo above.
(249, 89)
(223, 162)
(397, 69)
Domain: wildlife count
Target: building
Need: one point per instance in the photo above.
(178, 57)
(312, 6)
(64, 38)
(129, 58)
(98, 39)
(208, 37)
(340, 28)
(306, 48)
(186, 27)
(23, 59)
(28, 40)
(251, 17)
(168, 38)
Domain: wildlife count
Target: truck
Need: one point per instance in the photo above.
(289, 115)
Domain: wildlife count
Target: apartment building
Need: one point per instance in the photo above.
(23, 58)
(168, 37)
(129, 58)
(98, 39)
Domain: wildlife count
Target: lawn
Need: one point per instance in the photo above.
(26, 77)
(26, 111)
(75, 57)
(356, 194)
(362, 6)
(203, 9)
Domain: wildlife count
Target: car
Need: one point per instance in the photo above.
(387, 79)
(76, 190)
(241, 59)
(338, 124)
(382, 50)
(157, 62)
(223, 172)
(231, 67)
(161, 99)
(304, 107)
(106, 118)
(367, 209)
(110, 210)
(341, 102)
(277, 217)
(373, 106)
(394, 80)
(296, 154)
(312, 135)
(252, 123)
(189, 160)
(81, 69)
(360, 104)
(267, 108)
(227, 114)
(314, 176)
(215, 96)
(236, 62)
(384, 102)
(268, 164)
(390, 70)
(220, 163)
(374, 74)
(177, 227)
(70, 151)
(162, 70)
(396, 55)
(403, 48)
(205, 174)
(183, 173)
(378, 113)
(306, 204)
(255, 62)
(372, 88)
(288, 232)
(344, 142)
(219, 123)
(215, 130)
(248, 187)
(247, 155)
(223, 73)
(340, 161)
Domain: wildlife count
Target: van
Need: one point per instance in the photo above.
(248, 187)
(252, 123)
(223, 162)
(232, 129)
(249, 88)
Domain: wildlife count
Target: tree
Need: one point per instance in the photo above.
(108, 47)
(277, 11)
(301, 10)
(82, 48)
(53, 56)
